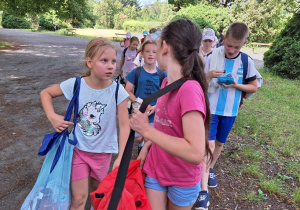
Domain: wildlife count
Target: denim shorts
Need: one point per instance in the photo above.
(180, 196)
(220, 127)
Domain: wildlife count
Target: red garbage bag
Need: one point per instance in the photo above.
(133, 195)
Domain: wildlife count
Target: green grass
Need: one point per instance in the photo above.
(253, 197)
(269, 125)
(251, 154)
(252, 170)
(296, 195)
(86, 33)
(4, 44)
(272, 186)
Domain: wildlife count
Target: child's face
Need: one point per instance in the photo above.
(232, 47)
(207, 43)
(133, 45)
(149, 53)
(103, 66)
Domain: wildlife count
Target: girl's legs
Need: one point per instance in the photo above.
(205, 167)
(94, 184)
(172, 206)
(158, 199)
(79, 191)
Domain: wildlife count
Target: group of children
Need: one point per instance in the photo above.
(184, 131)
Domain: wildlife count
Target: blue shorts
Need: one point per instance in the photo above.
(220, 127)
(180, 196)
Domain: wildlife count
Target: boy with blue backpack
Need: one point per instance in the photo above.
(144, 81)
(231, 74)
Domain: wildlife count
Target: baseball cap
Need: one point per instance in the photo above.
(208, 33)
(128, 35)
(145, 32)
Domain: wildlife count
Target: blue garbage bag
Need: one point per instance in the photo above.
(52, 187)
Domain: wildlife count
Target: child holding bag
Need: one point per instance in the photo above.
(178, 141)
(100, 101)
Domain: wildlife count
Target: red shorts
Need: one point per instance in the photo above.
(85, 164)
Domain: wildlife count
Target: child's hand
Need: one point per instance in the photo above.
(215, 73)
(139, 121)
(151, 110)
(233, 85)
(142, 156)
(58, 123)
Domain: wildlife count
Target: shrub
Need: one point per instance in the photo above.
(46, 22)
(206, 16)
(283, 57)
(10, 21)
(139, 26)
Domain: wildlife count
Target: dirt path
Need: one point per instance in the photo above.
(35, 62)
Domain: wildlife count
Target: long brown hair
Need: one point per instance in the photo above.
(93, 47)
(185, 38)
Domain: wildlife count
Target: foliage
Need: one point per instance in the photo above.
(130, 3)
(264, 19)
(283, 57)
(178, 4)
(65, 9)
(156, 12)
(139, 26)
(206, 16)
(11, 21)
(106, 11)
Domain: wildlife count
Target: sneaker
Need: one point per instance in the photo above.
(212, 180)
(202, 201)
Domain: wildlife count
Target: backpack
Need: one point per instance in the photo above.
(259, 78)
(134, 194)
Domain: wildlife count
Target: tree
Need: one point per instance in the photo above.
(63, 8)
(106, 11)
(182, 3)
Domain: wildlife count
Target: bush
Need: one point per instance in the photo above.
(46, 22)
(283, 57)
(10, 21)
(206, 16)
(140, 26)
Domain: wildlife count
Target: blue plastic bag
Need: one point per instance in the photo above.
(52, 187)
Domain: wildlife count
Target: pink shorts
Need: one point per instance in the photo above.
(85, 164)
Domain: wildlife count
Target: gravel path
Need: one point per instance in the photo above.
(35, 62)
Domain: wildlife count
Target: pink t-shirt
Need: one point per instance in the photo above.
(128, 60)
(170, 108)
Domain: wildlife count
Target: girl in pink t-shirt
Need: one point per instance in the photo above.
(178, 142)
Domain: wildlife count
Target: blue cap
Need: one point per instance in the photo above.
(145, 32)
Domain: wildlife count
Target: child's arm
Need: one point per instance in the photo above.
(121, 65)
(144, 152)
(122, 41)
(56, 120)
(190, 148)
(250, 87)
(124, 130)
(129, 87)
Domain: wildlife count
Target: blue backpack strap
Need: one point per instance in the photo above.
(116, 93)
(136, 78)
(74, 103)
(244, 58)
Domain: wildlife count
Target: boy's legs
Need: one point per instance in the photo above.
(220, 127)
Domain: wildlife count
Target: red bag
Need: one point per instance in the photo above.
(133, 195)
